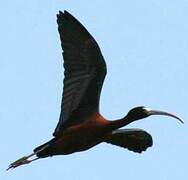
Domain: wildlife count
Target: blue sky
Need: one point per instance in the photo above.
(145, 44)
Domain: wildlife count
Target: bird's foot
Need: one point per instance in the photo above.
(25, 159)
(21, 161)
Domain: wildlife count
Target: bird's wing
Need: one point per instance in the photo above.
(136, 140)
(85, 70)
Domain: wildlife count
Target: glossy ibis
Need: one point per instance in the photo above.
(81, 126)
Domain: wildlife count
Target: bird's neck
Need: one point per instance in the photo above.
(120, 123)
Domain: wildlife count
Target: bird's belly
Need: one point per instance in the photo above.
(75, 141)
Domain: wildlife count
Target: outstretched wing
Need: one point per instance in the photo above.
(85, 70)
(136, 140)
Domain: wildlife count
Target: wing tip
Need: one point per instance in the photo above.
(63, 13)
(60, 14)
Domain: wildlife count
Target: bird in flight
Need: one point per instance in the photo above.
(81, 126)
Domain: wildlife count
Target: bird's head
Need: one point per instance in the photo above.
(143, 112)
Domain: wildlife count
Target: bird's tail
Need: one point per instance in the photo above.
(44, 150)
(136, 140)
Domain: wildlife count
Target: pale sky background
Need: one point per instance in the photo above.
(145, 44)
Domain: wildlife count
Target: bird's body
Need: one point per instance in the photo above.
(79, 137)
(81, 126)
(96, 129)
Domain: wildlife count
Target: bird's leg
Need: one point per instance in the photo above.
(24, 160)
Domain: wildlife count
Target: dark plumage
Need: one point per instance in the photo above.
(80, 125)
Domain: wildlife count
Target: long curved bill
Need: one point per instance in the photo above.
(163, 113)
